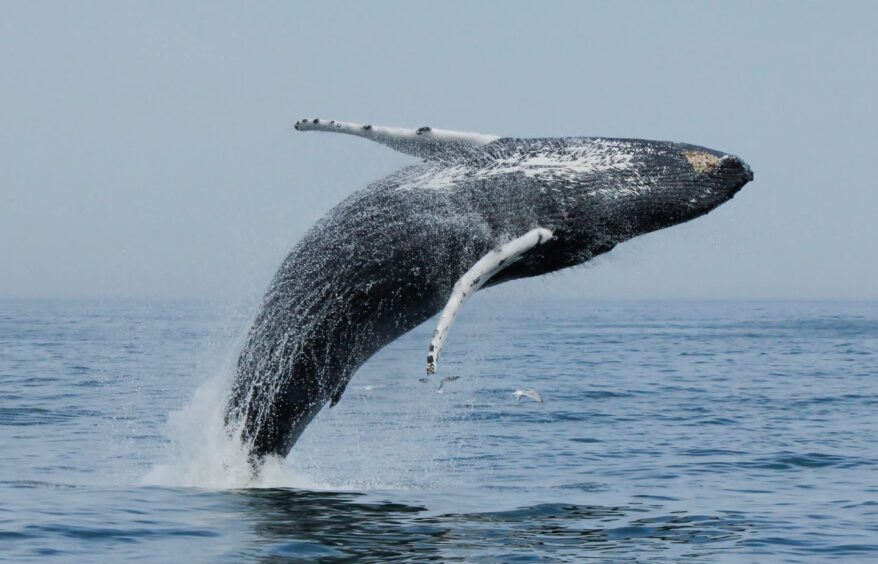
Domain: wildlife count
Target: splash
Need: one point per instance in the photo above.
(202, 452)
(390, 433)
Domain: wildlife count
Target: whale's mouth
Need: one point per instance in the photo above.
(734, 173)
(731, 165)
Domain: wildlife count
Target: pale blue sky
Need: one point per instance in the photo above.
(146, 148)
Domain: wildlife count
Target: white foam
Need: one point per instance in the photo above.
(388, 433)
(338, 452)
(202, 453)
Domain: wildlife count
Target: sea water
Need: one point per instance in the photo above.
(714, 431)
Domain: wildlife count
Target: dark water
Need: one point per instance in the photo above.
(723, 431)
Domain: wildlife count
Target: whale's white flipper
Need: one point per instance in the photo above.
(475, 278)
(424, 142)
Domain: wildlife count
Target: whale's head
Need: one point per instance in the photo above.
(686, 182)
(632, 187)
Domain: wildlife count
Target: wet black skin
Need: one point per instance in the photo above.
(386, 259)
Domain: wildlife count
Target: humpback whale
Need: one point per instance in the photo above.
(475, 211)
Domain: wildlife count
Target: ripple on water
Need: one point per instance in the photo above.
(669, 432)
(31, 415)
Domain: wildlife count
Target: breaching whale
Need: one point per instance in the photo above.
(477, 210)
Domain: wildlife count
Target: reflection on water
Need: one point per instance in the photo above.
(309, 524)
(296, 523)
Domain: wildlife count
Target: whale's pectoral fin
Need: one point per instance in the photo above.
(475, 278)
(425, 142)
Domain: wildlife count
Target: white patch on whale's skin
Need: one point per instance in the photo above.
(543, 162)
(475, 278)
(424, 142)
(596, 155)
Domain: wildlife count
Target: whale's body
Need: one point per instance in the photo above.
(388, 257)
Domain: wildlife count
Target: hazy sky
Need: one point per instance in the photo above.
(146, 148)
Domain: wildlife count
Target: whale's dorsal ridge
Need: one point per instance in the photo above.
(424, 142)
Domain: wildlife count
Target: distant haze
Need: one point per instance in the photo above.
(146, 148)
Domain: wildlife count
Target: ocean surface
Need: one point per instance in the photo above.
(705, 431)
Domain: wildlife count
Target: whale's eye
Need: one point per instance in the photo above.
(702, 162)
